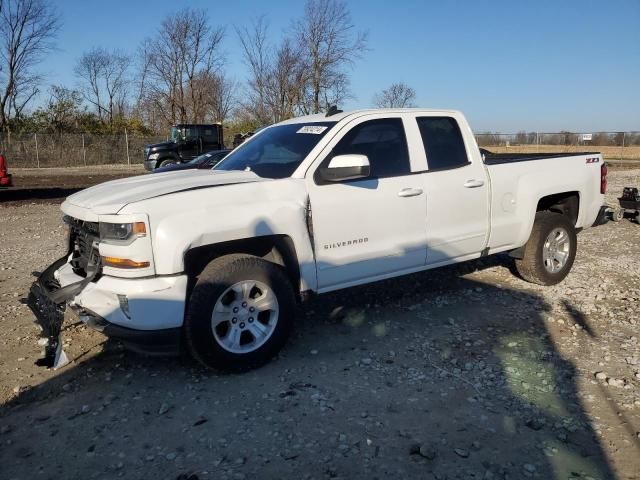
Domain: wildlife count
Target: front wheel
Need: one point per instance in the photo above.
(550, 250)
(240, 313)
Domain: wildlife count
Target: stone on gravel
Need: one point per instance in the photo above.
(428, 452)
(461, 452)
(615, 382)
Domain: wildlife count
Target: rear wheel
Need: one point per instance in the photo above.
(240, 313)
(550, 250)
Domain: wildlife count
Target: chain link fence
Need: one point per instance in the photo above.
(41, 150)
(613, 145)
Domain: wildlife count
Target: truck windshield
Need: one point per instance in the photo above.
(277, 151)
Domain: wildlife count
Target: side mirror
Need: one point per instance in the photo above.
(346, 167)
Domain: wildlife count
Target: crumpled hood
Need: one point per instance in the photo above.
(110, 197)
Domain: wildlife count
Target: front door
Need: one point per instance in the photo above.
(373, 227)
(189, 147)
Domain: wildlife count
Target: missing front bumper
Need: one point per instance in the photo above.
(164, 342)
(49, 314)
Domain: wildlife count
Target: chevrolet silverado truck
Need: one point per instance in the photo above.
(309, 205)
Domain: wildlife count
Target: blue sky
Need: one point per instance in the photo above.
(508, 65)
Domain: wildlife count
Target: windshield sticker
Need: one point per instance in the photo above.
(312, 129)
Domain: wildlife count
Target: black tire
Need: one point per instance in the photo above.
(531, 267)
(212, 283)
(168, 161)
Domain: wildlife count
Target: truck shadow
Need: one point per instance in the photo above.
(463, 369)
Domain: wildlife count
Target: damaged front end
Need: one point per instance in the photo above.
(47, 299)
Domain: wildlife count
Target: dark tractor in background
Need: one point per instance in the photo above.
(186, 142)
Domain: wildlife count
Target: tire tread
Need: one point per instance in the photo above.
(530, 266)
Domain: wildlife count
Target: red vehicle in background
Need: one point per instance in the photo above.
(5, 178)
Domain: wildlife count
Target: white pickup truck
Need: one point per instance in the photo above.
(216, 260)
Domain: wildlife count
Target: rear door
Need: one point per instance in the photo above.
(373, 227)
(457, 192)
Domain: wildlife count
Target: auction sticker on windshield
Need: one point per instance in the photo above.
(313, 129)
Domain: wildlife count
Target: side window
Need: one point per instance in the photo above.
(189, 133)
(383, 142)
(442, 142)
(209, 134)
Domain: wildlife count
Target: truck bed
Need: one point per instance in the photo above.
(491, 158)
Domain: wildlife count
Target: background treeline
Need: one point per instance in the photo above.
(178, 73)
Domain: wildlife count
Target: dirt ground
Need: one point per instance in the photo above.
(464, 372)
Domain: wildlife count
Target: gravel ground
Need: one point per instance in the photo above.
(464, 372)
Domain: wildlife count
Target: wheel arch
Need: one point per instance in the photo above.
(277, 248)
(566, 203)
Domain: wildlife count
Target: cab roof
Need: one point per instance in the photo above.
(322, 117)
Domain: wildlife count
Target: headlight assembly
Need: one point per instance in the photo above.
(154, 156)
(122, 232)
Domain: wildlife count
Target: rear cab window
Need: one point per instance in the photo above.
(443, 143)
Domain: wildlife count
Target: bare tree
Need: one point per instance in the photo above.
(27, 32)
(329, 44)
(222, 98)
(256, 54)
(104, 79)
(286, 82)
(398, 95)
(185, 48)
(218, 96)
(278, 76)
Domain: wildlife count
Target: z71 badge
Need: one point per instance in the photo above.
(593, 160)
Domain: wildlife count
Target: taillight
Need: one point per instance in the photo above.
(603, 178)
